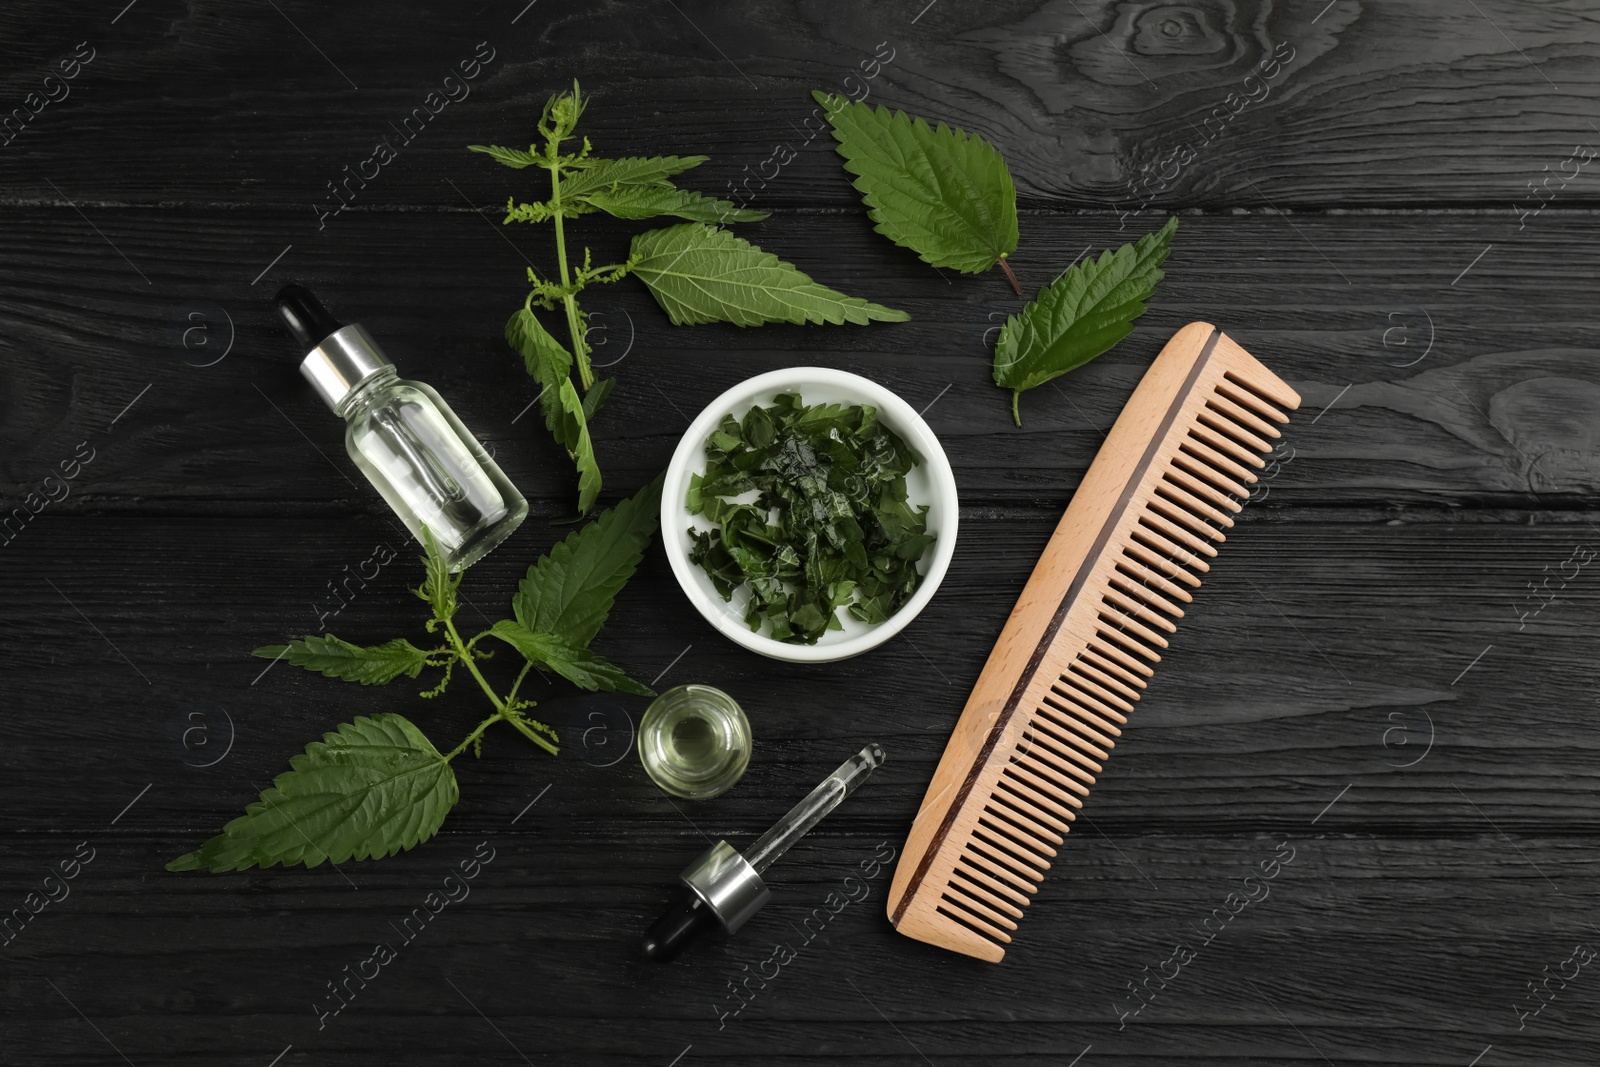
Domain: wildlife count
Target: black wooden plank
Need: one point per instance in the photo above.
(1362, 950)
(1323, 653)
(1479, 392)
(1094, 103)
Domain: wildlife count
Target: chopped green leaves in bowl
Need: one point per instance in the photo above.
(810, 514)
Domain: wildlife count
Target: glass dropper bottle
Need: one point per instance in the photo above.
(404, 437)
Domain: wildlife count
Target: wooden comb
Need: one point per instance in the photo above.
(1080, 643)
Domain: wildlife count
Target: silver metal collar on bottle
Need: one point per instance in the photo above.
(345, 358)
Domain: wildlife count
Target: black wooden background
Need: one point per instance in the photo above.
(1390, 669)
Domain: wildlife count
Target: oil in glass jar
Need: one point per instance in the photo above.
(694, 742)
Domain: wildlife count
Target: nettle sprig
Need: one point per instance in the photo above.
(697, 271)
(378, 786)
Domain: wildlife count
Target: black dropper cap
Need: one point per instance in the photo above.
(304, 316)
(685, 920)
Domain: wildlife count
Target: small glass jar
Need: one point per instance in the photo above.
(694, 742)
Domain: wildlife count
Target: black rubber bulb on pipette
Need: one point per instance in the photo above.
(304, 316)
(685, 920)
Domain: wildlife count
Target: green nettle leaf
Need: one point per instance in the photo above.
(370, 789)
(649, 201)
(564, 412)
(941, 192)
(633, 188)
(573, 433)
(569, 591)
(514, 158)
(1080, 315)
(597, 396)
(338, 658)
(579, 666)
(438, 586)
(699, 273)
(632, 170)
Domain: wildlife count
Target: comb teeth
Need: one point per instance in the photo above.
(1076, 653)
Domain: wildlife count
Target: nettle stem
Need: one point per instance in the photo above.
(473, 736)
(569, 301)
(1004, 266)
(511, 697)
(528, 732)
(502, 708)
(465, 652)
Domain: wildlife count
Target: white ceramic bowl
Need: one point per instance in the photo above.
(929, 482)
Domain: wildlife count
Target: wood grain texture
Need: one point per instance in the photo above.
(1428, 943)
(1366, 620)
(1407, 102)
(1392, 672)
(1479, 393)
